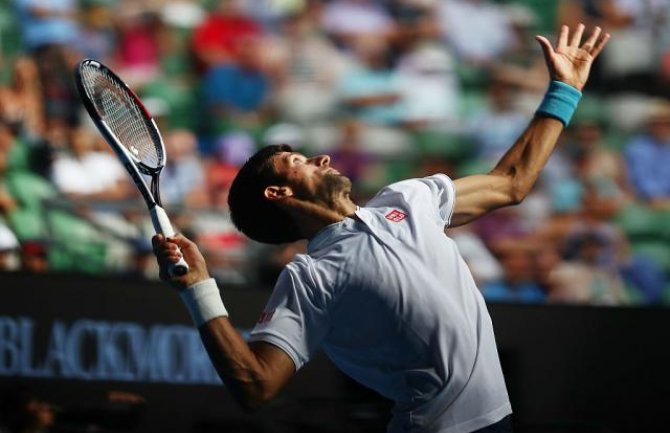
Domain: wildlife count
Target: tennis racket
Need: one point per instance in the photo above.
(130, 130)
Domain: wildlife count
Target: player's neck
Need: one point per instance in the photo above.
(312, 217)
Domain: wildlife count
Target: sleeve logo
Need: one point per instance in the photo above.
(266, 316)
(396, 216)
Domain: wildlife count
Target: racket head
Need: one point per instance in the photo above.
(120, 116)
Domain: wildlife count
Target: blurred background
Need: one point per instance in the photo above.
(390, 89)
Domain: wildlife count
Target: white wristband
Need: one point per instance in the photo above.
(203, 301)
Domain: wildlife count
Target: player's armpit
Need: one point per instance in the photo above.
(479, 194)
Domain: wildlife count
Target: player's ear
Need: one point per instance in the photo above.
(277, 192)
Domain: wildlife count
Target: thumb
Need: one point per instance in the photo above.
(547, 49)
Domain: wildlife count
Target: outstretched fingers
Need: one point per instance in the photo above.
(590, 43)
(563, 37)
(577, 35)
(600, 44)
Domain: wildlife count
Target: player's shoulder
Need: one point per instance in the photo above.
(408, 189)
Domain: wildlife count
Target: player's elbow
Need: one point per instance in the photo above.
(515, 190)
(253, 402)
(255, 394)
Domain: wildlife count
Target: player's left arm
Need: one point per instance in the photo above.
(516, 172)
(253, 372)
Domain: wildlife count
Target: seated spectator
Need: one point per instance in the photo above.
(236, 96)
(183, 179)
(304, 64)
(83, 172)
(9, 247)
(601, 171)
(517, 284)
(50, 31)
(648, 158)
(499, 123)
(21, 103)
(478, 30)
(348, 20)
(370, 91)
(587, 275)
(427, 77)
(232, 151)
(215, 40)
(138, 47)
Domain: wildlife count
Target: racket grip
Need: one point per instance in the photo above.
(163, 226)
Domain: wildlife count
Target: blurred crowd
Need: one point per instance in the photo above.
(389, 88)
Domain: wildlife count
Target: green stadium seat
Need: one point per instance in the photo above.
(454, 147)
(28, 223)
(29, 189)
(640, 223)
(658, 251)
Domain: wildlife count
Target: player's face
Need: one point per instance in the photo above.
(313, 178)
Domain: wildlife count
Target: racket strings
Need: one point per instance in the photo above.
(124, 117)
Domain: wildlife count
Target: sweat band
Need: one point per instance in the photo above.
(203, 301)
(560, 102)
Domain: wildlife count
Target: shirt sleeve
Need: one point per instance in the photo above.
(434, 194)
(295, 318)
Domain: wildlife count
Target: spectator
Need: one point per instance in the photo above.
(587, 276)
(236, 95)
(98, 38)
(346, 21)
(305, 63)
(34, 256)
(216, 40)
(9, 247)
(648, 157)
(426, 71)
(46, 23)
(478, 30)
(21, 103)
(183, 179)
(498, 123)
(517, 284)
(232, 150)
(137, 49)
(370, 93)
(83, 172)
(49, 31)
(601, 171)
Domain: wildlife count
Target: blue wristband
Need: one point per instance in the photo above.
(560, 102)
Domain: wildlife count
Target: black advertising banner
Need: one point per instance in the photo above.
(122, 355)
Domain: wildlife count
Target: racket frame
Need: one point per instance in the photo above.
(134, 166)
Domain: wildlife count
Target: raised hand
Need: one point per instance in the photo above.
(571, 60)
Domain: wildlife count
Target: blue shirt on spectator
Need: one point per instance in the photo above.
(57, 28)
(230, 86)
(648, 161)
(502, 291)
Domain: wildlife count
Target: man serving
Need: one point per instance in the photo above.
(382, 289)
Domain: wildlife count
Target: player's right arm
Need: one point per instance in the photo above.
(569, 63)
(254, 372)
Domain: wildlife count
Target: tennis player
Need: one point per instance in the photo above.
(382, 290)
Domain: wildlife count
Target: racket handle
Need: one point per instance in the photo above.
(163, 226)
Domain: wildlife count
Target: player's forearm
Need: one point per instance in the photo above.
(529, 154)
(524, 161)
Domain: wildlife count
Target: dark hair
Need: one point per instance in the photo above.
(252, 213)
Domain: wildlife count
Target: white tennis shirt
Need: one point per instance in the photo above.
(393, 304)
